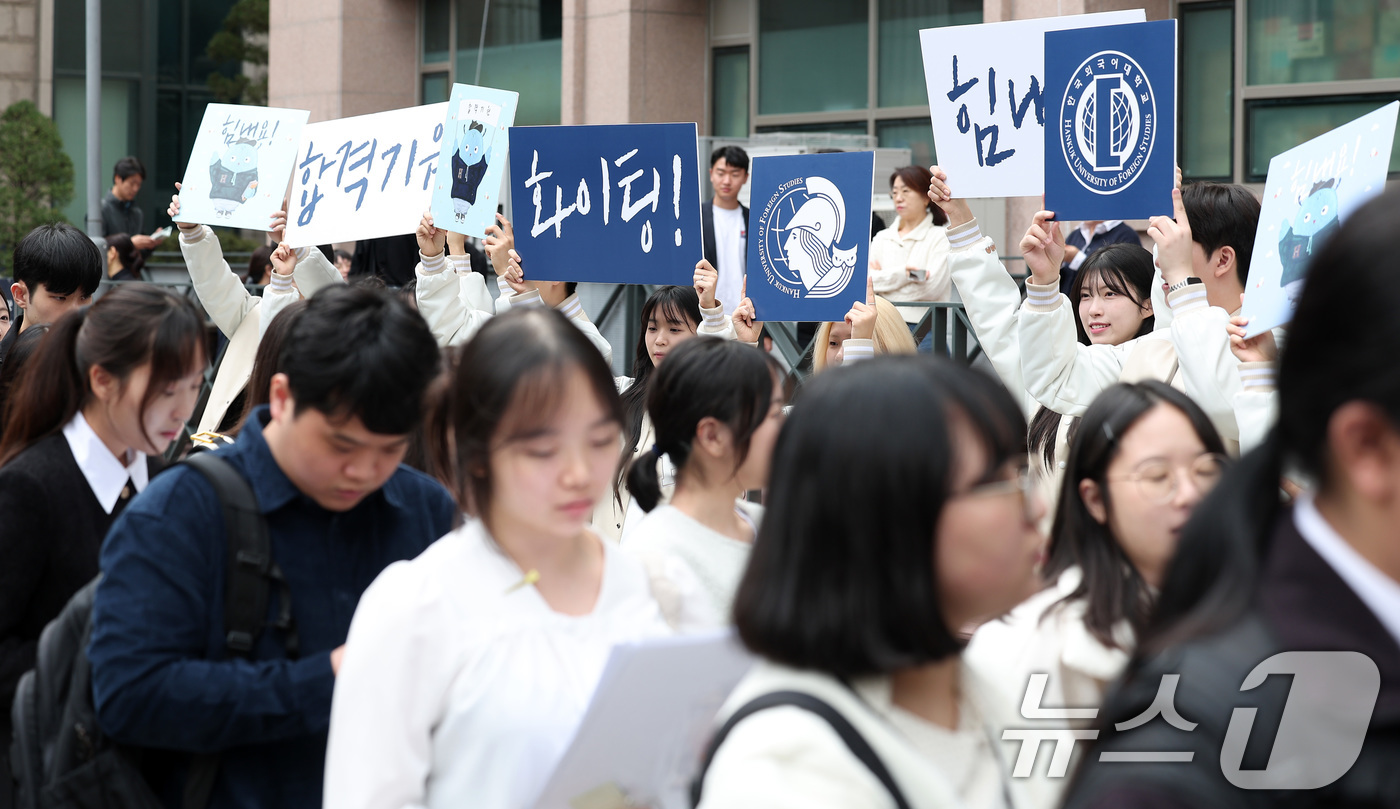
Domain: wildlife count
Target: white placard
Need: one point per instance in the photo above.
(239, 165)
(984, 91)
(364, 177)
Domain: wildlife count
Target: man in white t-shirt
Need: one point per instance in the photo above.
(725, 224)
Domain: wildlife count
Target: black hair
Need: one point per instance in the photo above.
(843, 576)
(132, 260)
(1126, 269)
(60, 258)
(704, 377)
(21, 350)
(1211, 581)
(362, 354)
(510, 380)
(672, 304)
(260, 264)
(127, 167)
(340, 254)
(1221, 214)
(258, 390)
(918, 179)
(1113, 588)
(128, 327)
(736, 157)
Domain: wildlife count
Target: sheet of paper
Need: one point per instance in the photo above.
(1311, 188)
(648, 723)
(473, 159)
(985, 92)
(365, 177)
(240, 164)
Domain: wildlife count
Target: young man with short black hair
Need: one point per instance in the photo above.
(57, 268)
(119, 211)
(323, 460)
(725, 224)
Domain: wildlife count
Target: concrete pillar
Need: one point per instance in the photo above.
(339, 58)
(634, 61)
(19, 51)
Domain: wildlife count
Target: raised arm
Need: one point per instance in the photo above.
(454, 304)
(219, 289)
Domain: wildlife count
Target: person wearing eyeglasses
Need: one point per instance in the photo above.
(1142, 457)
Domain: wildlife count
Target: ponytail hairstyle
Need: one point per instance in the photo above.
(431, 449)
(131, 326)
(21, 350)
(669, 304)
(1114, 589)
(1211, 581)
(265, 366)
(132, 260)
(510, 380)
(1126, 269)
(706, 377)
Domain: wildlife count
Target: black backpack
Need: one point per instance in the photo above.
(60, 757)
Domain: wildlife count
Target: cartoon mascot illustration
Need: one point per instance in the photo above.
(1315, 221)
(469, 162)
(233, 177)
(811, 244)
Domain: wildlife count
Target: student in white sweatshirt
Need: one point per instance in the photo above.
(878, 544)
(467, 670)
(1143, 456)
(716, 406)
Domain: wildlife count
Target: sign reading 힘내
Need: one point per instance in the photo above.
(238, 170)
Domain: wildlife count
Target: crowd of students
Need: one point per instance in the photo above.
(934, 547)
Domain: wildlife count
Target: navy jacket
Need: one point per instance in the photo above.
(160, 673)
(1122, 234)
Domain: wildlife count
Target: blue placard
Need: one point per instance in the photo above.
(617, 204)
(809, 235)
(1120, 165)
(473, 158)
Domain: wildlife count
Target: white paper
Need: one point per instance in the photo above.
(239, 165)
(649, 720)
(1007, 59)
(364, 177)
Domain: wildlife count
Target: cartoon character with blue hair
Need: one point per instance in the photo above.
(811, 244)
(470, 158)
(1316, 220)
(233, 176)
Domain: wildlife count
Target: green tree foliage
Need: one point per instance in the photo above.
(36, 176)
(243, 39)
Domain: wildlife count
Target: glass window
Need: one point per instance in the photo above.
(731, 93)
(1322, 40)
(436, 88)
(1276, 126)
(206, 20)
(901, 58)
(842, 128)
(1207, 97)
(436, 30)
(523, 53)
(813, 57)
(171, 151)
(122, 29)
(119, 119)
(914, 134)
(169, 38)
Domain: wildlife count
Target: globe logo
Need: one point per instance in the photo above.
(802, 229)
(1106, 152)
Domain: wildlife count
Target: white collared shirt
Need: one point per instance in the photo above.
(1100, 229)
(1379, 592)
(105, 474)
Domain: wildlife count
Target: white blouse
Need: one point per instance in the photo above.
(460, 686)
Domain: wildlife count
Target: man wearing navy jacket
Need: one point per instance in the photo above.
(1087, 239)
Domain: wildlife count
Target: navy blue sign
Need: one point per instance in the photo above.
(617, 204)
(809, 234)
(1110, 130)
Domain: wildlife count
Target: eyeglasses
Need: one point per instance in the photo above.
(1020, 484)
(1159, 481)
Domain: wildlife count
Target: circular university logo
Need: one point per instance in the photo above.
(1108, 122)
(800, 230)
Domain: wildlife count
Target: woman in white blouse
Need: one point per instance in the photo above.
(467, 669)
(909, 259)
(717, 407)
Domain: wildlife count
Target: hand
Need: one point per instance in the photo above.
(284, 259)
(143, 242)
(431, 240)
(552, 293)
(746, 328)
(500, 238)
(1178, 178)
(174, 211)
(253, 184)
(337, 655)
(1043, 247)
(862, 315)
(279, 224)
(942, 196)
(1173, 237)
(1260, 348)
(456, 243)
(705, 280)
(515, 276)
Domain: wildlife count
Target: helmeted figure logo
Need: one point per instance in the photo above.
(802, 227)
(1108, 122)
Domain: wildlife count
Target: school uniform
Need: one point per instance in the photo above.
(461, 686)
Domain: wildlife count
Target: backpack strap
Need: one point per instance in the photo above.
(857, 744)
(250, 576)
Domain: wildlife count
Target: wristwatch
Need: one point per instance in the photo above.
(1190, 279)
